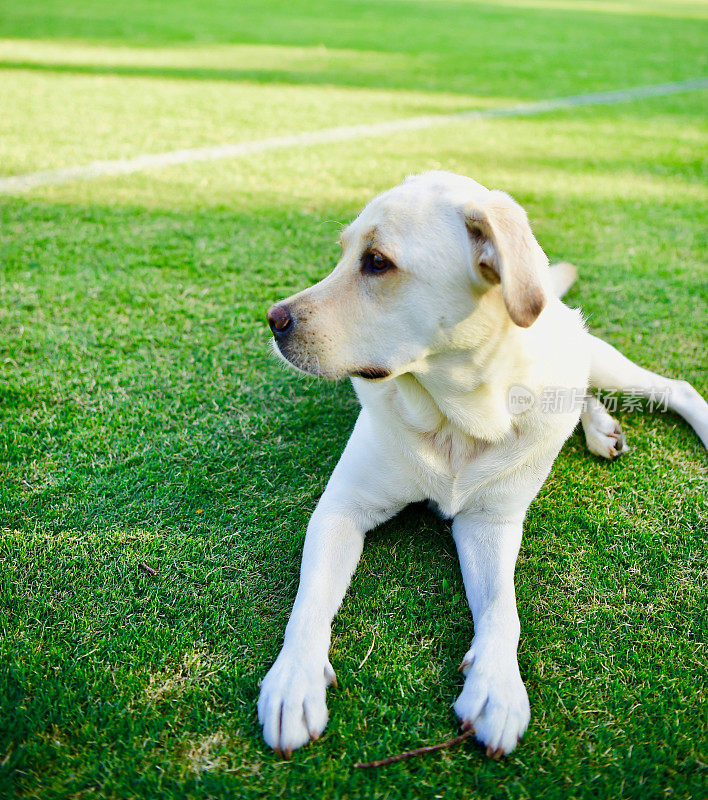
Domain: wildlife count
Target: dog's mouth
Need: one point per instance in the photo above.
(372, 373)
(312, 366)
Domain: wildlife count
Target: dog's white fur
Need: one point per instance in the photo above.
(469, 311)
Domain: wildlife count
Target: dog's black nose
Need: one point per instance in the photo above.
(279, 319)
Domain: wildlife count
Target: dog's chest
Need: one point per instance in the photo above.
(433, 439)
(447, 449)
(447, 464)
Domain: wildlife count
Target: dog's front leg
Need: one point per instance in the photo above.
(494, 700)
(365, 489)
(291, 706)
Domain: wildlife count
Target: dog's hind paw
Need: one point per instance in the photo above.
(603, 434)
(606, 445)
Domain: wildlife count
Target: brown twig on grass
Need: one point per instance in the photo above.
(147, 569)
(419, 751)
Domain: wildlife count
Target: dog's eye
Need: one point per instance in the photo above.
(375, 262)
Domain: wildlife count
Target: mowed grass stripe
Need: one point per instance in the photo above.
(18, 184)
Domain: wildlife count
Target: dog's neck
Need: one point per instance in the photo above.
(464, 381)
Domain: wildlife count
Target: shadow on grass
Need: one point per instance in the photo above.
(142, 421)
(349, 79)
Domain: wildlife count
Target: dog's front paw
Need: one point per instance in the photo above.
(493, 702)
(291, 706)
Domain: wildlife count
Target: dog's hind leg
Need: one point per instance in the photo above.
(612, 372)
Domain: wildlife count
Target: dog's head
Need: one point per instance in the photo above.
(415, 263)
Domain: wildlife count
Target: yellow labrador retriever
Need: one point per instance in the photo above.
(471, 374)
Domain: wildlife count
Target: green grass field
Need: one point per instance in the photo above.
(143, 419)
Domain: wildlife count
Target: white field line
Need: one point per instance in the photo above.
(17, 184)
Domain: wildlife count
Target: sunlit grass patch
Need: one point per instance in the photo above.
(195, 670)
(118, 117)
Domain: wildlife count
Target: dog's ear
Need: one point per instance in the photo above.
(506, 250)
